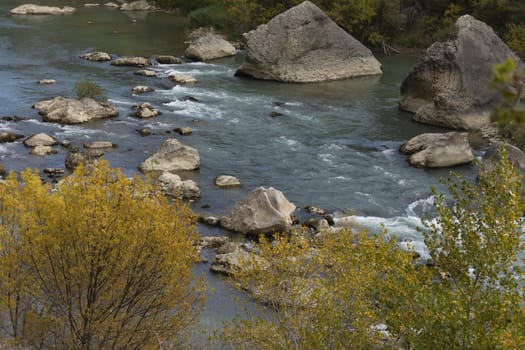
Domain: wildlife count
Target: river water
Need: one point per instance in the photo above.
(335, 145)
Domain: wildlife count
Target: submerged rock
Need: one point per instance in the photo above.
(42, 151)
(304, 45)
(70, 111)
(6, 136)
(97, 56)
(438, 150)
(182, 79)
(146, 73)
(209, 47)
(451, 84)
(226, 181)
(172, 156)
(145, 110)
(142, 89)
(264, 210)
(30, 9)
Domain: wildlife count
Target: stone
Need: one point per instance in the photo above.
(111, 5)
(145, 110)
(450, 86)
(303, 45)
(54, 171)
(209, 220)
(173, 186)
(213, 242)
(75, 157)
(184, 130)
(172, 156)
(99, 145)
(209, 47)
(167, 59)
(97, 56)
(12, 118)
(91, 5)
(46, 81)
(6, 136)
(70, 111)
(42, 151)
(30, 9)
(141, 5)
(226, 181)
(144, 131)
(262, 211)
(239, 259)
(434, 150)
(182, 79)
(131, 61)
(40, 139)
(141, 89)
(146, 73)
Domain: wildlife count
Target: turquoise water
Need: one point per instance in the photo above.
(335, 145)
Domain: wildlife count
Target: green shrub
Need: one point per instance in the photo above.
(85, 88)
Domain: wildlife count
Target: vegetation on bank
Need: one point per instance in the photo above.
(350, 289)
(408, 23)
(100, 261)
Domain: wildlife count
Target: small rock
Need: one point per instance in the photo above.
(140, 5)
(145, 110)
(14, 118)
(97, 56)
(225, 181)
(65, 143)
(99, 145)
(46, 81)
(6, 136)
(91, 5)
(141, 89)
(209, 220)
(276, 114)
(54, 171)
(131, 61)
(42, 151)
(172, 156)
(111, 5)
(40, 139)
(184, 131)
(173, 186)
(213, 242)
(165, 59)
(146, 73)
(208, 47)
(182, 79)
(190, 99)
(144, 131)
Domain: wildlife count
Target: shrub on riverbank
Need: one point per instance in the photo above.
(101, 261)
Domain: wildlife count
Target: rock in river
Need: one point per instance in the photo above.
(451, 84)
(70, 111)
(304, 45)
(173, 186)
(141, 5)
(131, 61)
(264, 210)
(6, 136)
(226, 181)
(30, 9)
(40, 139)
(435, 150)
(97, 56)
(209, 47)
(172, 156)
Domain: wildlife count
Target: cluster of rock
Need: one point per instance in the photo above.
(32, 9)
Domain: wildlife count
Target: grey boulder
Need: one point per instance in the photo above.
(172, 156)
(40, 139)
(262, 211)
(434, 150)
(208, 47)
(451, 84)
(70, 111)
(304, 45)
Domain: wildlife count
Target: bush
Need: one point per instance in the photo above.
(86, 88)
(102, 261)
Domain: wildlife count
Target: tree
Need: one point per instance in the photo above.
(101, 261)
(352, 290)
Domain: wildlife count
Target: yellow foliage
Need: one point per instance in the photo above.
(102, 261)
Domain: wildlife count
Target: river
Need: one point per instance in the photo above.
(335, 145)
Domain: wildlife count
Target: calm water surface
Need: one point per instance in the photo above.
(335, 145)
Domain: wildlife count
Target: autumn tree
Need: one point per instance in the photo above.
(101, 261)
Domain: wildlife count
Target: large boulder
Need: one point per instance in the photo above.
(31, 9)
(208, 47)
(435, 150)
(304, 45)
(451, 84)
(172, 156)
(264, 210)
(141, 5)
(69, 111)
